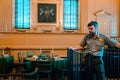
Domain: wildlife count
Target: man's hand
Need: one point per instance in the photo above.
(117, 45)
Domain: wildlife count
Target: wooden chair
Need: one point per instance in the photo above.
(45, 67)
(25, 70)
(33, 75)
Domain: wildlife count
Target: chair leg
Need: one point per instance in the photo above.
(37, 77)
(48, 76)
(63, 75)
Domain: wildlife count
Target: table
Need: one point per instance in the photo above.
(6, 64)
(60, 63)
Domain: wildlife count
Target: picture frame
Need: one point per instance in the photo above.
(46, 13)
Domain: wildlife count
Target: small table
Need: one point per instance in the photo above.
(60, 63)
(6, 64)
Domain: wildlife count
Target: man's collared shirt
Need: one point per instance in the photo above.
(95, 46)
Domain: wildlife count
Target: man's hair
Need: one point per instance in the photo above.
(93, 23)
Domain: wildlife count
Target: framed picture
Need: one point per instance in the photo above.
(46, 13)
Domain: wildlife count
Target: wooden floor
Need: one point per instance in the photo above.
(57, 79)
(112, 79)
(34, 79)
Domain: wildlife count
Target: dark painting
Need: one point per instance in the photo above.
(46, 13)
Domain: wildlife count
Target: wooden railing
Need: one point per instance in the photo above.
(77, 68)
(117, 38)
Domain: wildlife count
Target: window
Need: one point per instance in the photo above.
(22, 14)
(70, 14)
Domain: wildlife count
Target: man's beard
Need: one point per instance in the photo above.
(92, 33)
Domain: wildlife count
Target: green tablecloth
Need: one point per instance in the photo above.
(6, 64)
(60, 63)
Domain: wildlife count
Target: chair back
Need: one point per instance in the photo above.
(45, 53)
(30, 53)
(20, 57)
(8, 50)
(44, 66)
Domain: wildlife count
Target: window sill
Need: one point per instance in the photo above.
(32, 32)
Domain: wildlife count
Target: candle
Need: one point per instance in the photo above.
(40, 50)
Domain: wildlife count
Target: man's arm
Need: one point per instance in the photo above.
(81, 45)
(77, 48)
(117, 45)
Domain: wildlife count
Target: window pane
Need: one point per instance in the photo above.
(71, 14)
(22, 14)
